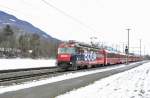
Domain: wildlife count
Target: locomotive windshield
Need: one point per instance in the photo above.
(68, 50)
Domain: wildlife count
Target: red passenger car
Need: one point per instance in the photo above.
(114, 57)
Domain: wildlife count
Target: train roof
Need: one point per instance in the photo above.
(94, 47)
(115, 52)
(80, 44)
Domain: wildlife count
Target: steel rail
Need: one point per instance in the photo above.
(9, 77)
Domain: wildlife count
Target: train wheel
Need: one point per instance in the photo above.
(89, 66)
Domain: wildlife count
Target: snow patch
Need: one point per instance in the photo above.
(45, 36)
(6, 64)
(12, 20)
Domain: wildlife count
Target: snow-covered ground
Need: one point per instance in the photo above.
(134, 83)
(6, 64)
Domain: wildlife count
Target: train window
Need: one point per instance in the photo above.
(99, 55)
(68, 50)
(117, 55)
(111, 55)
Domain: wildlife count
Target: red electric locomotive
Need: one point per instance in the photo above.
(73, 55)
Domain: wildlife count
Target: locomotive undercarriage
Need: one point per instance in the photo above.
(75, 66)
(68, 65)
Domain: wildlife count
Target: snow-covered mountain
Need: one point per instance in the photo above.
(23, 35)
(6, 19)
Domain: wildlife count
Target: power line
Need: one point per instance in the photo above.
(59, 10)
(66, 14)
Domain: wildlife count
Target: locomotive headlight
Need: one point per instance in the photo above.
(70, 62)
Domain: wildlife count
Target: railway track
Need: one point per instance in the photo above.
(51, 90)
(9, 77)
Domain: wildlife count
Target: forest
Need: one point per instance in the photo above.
(16, 42)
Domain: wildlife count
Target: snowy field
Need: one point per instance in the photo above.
(6, 64)
(134, 83)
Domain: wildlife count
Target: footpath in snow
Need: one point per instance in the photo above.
(134, 83)
(6, 64)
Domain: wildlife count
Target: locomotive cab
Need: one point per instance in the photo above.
(66, 56)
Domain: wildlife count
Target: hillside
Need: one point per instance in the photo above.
(19, 38)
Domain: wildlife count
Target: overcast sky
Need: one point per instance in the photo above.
(105, 19)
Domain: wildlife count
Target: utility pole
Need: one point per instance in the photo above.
(140, 47)
(127, 57)
(144, 50)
